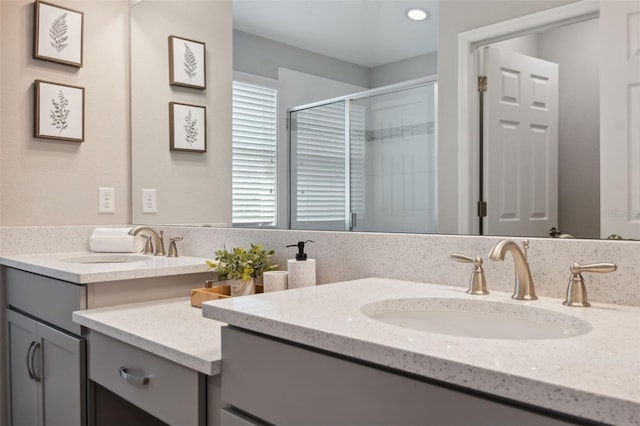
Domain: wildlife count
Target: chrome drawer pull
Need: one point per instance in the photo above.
(135, 380)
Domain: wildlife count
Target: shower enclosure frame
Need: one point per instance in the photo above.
(349, 220)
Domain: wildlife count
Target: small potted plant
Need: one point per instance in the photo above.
(242, 267)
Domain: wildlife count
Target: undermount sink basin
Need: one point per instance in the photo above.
(476, 318)
(107, 258)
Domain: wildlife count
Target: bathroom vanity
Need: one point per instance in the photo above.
(55, 363)
(161, 356)
(324, 355)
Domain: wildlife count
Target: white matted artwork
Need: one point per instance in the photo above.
(58, 34)
(187, 63)
(187, 127)
(59, 112)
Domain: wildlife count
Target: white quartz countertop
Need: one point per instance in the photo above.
(171, 328)
(594, 375)
(63, 266)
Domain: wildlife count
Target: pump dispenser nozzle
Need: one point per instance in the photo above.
(301, 255)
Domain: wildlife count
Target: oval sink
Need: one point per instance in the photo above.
(476, 318)
(107, 258)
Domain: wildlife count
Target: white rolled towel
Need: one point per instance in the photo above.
(116, 243)
(112, 231)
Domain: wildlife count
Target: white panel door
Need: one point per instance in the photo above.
(520, 144)
(620, 119)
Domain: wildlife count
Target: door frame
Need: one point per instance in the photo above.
(468, 110)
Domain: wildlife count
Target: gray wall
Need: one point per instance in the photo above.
(260, 56)
(407, 69)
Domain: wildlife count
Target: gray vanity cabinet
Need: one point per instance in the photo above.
(168, 391)
(277, 382)
(46, 374)
(46, 354)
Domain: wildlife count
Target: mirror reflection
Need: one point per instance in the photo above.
(349, 81)
(319, 55)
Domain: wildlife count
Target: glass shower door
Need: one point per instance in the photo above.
(367, 163)
(393, 161)
(318, 167)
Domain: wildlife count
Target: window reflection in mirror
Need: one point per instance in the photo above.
(340, 178)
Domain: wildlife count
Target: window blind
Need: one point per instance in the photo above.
(358, 178)
(254, 170)
(320, 165)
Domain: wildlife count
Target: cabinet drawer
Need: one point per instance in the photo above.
(46, 298)
(292, 385)
(172, 393)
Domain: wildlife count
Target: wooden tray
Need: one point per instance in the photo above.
(200, 295)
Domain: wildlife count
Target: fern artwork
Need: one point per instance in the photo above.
(186, 63)
(58, 34)
(187, 127)
(59, 111)
(190, 129)
(190, 63)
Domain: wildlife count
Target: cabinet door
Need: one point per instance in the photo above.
(23, 389)
(47, 374)
(63, 370)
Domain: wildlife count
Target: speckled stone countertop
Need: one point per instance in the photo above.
(594, 375)
(171, 328)
(67, 266)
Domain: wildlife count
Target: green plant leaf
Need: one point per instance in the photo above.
(242, 264)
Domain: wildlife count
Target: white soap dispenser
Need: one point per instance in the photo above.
(302, 271)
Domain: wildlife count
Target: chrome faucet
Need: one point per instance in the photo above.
(157, 239)
(524, 283)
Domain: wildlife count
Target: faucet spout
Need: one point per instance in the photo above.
(158, 240)
(524, 289)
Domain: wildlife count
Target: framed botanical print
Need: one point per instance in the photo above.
(187, 63)
(187, 127)
(58, 34)
(59, 111)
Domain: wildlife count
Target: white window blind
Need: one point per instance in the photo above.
(255, 137)
(320, 166)
(358, 176)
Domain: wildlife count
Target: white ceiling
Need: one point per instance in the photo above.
(364, 32)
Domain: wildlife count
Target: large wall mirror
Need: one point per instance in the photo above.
(363, 72)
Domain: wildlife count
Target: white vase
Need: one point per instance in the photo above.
(242, 288)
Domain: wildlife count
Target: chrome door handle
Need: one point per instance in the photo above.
(33, 347)
(135, 380)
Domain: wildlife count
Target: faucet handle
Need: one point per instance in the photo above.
(577, 291)
(173, 249)
(477, 282)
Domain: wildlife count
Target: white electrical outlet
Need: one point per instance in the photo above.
(106, 200)
(149, 201)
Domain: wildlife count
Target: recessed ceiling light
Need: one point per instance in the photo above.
(417, 14)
